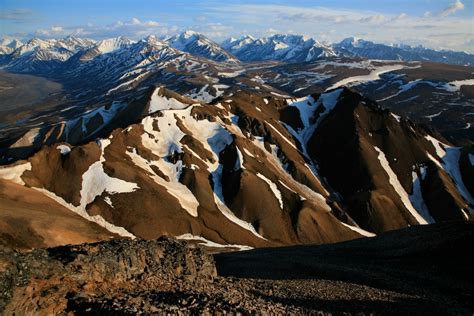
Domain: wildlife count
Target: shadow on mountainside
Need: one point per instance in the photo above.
(433, 261)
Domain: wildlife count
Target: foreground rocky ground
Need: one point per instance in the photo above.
(425, 269)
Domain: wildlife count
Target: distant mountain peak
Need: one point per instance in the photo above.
(199, 45)
(188, 34)
(111, 44)
(351, 41)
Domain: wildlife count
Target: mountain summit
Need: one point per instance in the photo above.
(199, 45)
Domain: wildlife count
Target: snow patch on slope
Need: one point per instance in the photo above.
(208, 243)
(450, 163)
(212, 136)
(95, 181)
(398, 187)
(14, 173)
(451, 166)
(416, 198)
(107, 114)
(159, 103)
(359, 230)
(82, 212)
(372, 76)
(231, 74)
(439, 146)
(273, 187)
(306, 107)
(64, 149)
(181, 192)
(455, 86)
(28, 139)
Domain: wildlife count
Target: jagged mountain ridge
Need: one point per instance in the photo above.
(250, 169)
(292, 48)
(39, 55)
(367, 49)
(43, 55)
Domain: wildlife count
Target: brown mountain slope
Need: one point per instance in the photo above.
(29, 219)
(251, 169)
(389, 157)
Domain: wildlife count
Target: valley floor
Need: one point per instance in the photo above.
(420, 270)
(22, 96)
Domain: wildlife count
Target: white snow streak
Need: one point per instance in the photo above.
(372, 76)
(208, 243)
(359, 230)
(416, 198)
(439, 146)
(273, 187)
(398, 187)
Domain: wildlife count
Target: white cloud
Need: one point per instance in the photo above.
(453, 8)
(213, 30)
(402, 16)
(152, 23)
(56, 29)
(374, 19)
(135, 21)
(51, 32)
(134, 29)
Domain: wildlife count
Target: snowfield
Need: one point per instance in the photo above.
(372, 76)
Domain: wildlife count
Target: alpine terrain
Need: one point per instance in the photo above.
(133, 172)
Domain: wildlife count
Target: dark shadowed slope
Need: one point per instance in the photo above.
(433, 261)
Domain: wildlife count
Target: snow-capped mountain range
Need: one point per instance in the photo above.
(294, 48)
(361, 48)
(42, 55)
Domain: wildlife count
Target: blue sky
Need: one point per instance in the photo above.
(433, 23)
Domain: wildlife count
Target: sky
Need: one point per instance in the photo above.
(439, 24)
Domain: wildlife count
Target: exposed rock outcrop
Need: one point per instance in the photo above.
(47, 280)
